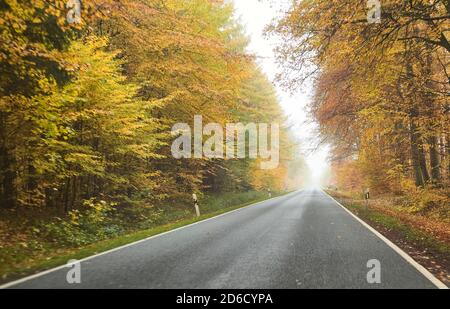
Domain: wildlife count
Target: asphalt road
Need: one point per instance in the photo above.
(301, 240)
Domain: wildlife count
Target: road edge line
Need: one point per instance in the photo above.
(438, 283)
(48, 271)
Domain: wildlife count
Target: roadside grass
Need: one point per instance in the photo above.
(21, 261)
(403, 229)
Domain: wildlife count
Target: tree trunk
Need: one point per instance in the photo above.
(417, 151)
(423, 163)
(8, 177)
(435, 160)
(8, 191)
(429, 100)
(66, 195)
(448, 157)
(418, 159)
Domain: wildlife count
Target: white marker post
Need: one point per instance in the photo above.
(197, 209)
(367, 197)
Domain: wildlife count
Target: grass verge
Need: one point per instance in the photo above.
(214, 206)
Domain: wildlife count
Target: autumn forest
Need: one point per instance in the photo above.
(88, 99)
(381, 89)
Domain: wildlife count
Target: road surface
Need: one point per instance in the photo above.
(302, 240)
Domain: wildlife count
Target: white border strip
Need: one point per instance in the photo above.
(402, 253)
(19, 281)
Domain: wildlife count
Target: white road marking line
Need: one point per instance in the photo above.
(31, 277)
(399, 251)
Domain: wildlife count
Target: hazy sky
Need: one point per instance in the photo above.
(255, 15)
